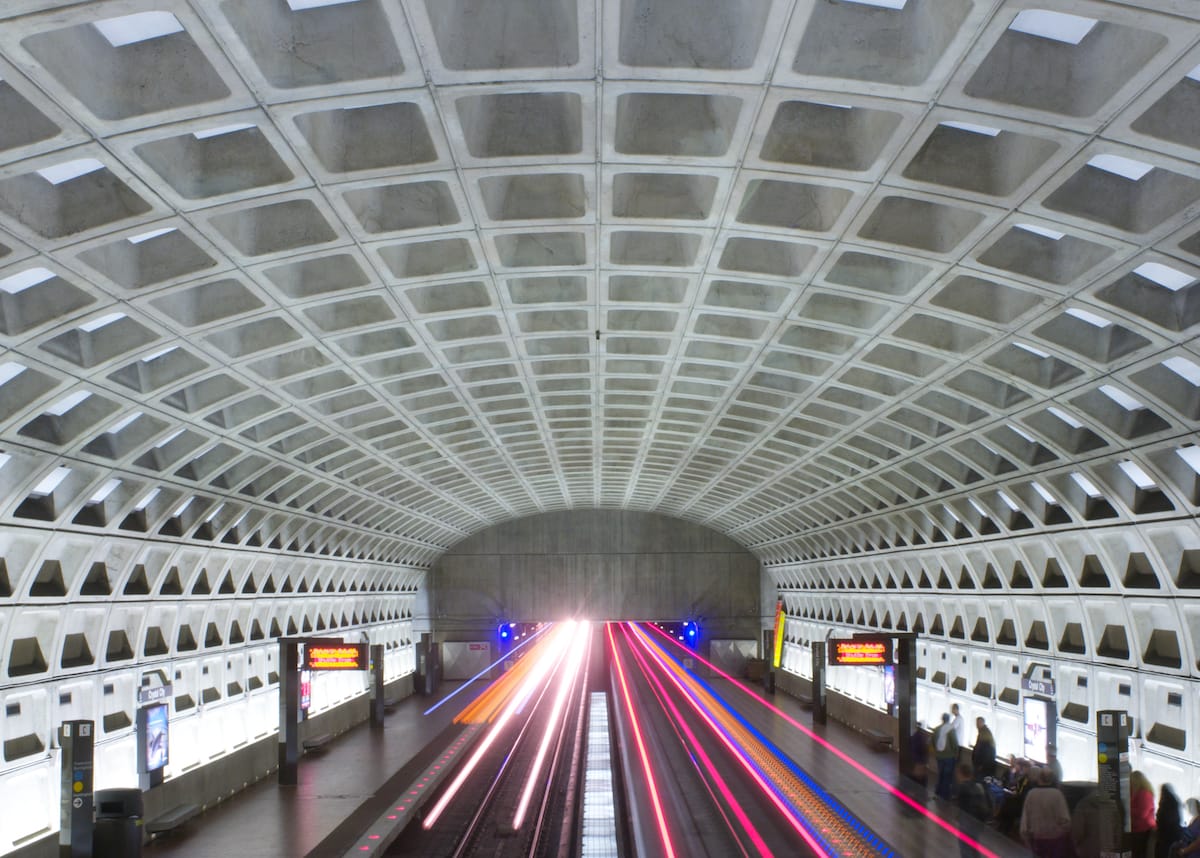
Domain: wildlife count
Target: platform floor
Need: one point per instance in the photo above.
(363, 769)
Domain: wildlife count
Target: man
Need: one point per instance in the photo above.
(983, 756)
(1045, 819)
(945, 751)
(960, 728)
(974, 808)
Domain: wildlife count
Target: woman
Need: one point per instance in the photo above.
(1141, 814)
(1045, 819)
(1189, 840)
(1166, 821)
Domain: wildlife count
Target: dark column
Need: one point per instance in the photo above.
(76, 739)
(818, 681)
(377, 686)
(289, 711)
(1112, 759)
(906, 698)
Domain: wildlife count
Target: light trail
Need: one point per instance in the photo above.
(548, 656)
(844, 757)
(789, 813)
(581, 637)
(467, 684)
(659, 816)
(756, 839)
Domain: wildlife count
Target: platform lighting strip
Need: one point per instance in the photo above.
(635, 725)
(598, 833)
(844, 757)
(384, 831)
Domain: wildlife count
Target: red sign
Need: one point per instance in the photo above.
(857, 651)
(345, 656)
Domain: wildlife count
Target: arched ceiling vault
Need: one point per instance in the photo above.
(365, 277)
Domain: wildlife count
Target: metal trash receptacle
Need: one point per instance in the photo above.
(119, 816)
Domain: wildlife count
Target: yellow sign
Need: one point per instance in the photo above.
(337, 657)
(780, 619)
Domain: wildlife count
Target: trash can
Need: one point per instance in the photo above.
(119, 815)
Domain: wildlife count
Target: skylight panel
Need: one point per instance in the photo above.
(1043, 493)
(1089, 488)
(1043, 231)
(1059, 26)
(985, 130)
(1126, 168)
(139, 27)
(1033, 350)
(10, 370)
(1185, 369)
(26, 280)
(58, 409)
(1164, 275)
(301, 5)
(222, 130)
(56, 174)
(146, 236)
(1121, 398)
(124, 422)
(1091, 318)
(1190, 455)
(102, 493)
(51, 481)
(1069, 419)
(147, 499)
(1135, 472)
(101, 322)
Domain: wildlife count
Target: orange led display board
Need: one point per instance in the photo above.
(858, 651)
(339, 656)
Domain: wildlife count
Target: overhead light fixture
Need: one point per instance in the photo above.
(138, 27)
(1058, 26)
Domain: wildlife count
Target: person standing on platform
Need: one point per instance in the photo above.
(1095, 825)
(945, 751)
(918, 743)
(983, 755)
(1141, 813)
(1167, 823)
(960, 727)
(1045, 818)
(1189, 840)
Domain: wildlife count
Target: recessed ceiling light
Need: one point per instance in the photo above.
(68, 170)
(1126, 168)
(222, 130)
(1185, 369)
(26, 280)
(883, 4)
(10, 370)
(58, 409)
(301, 5)
(1135, 472)
(1043, 231)
(1164, 275)
(102, 322)
(51, 481)
(1058, 26)
(139, 27)
(1121, 398)
(1091, 318)
(146, 236)
(104, 491)
(985, 130)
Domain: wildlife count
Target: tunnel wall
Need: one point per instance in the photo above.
(602, 564)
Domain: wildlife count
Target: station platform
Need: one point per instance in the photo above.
(346, 785)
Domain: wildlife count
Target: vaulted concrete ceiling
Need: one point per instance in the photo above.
(365, 277)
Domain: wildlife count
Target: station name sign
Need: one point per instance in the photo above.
(859, 651)
(336, 656)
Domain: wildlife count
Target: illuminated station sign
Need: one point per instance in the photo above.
(860, 651)
(336, 656)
